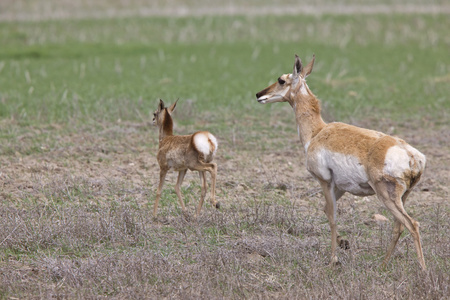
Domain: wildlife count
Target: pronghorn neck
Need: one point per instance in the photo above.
(166, 128)
(307, 114)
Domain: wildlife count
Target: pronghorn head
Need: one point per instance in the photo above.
(287, 84)
(162, 116)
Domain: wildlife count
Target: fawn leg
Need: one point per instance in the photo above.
(213, 172)
(162, 177)
(181, 175)
(203, 194)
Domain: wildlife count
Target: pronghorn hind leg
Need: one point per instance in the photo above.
(212, 169)
(389, 193)
(162, 177)
(180, 179)
(203, 192)
(213, 172)
(397, 231)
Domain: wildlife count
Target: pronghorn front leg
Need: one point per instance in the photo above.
(331, 196)
(162, 177)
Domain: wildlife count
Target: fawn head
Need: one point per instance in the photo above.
(162, 115)
(287, 85)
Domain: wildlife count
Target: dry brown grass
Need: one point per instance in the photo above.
(76, 223)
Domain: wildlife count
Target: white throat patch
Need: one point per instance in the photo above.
(303, 89)
(284, 92)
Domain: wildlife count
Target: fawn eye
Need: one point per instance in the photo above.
(281, 81)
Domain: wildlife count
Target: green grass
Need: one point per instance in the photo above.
(83, 70)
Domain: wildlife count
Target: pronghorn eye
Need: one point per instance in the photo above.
(281, 81)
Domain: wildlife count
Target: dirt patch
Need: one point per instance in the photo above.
(95, 167)
(76, 222)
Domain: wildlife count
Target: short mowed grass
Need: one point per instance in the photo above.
(76, 102)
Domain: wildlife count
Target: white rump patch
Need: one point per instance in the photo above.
(398, 160)
(203, 141)
(214, 141)
(418, 156)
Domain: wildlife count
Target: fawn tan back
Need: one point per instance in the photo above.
(180, 153)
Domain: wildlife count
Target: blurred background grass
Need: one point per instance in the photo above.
(391, 65)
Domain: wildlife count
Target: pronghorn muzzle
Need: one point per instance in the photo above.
(260, 94)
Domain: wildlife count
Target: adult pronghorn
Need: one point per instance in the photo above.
(346, 158)
(182, 152)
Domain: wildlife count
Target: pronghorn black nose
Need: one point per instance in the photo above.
(262, 93)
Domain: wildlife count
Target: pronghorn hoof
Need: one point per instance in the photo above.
(187, 217)
(217, 205)
(336, 263)
(161, 220)
(344, 244)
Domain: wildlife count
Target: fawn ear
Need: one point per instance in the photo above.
(161, 105)
(172, 107)
(308, 69)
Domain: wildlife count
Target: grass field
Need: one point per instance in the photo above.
(78, 172)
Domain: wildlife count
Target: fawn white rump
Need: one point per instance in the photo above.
(184, 152)
(346, 158)
(205, 143)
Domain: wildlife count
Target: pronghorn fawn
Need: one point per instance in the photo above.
(182, 152)
(346, 158)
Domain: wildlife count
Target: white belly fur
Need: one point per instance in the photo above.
(346, 171)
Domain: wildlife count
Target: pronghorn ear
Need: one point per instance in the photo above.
(161, 105)
(296, 71)
(308, 69)
(297, 66)
(172, 107)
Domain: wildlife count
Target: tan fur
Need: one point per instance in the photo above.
(179, 153)
(360, 142)
(346, 158)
